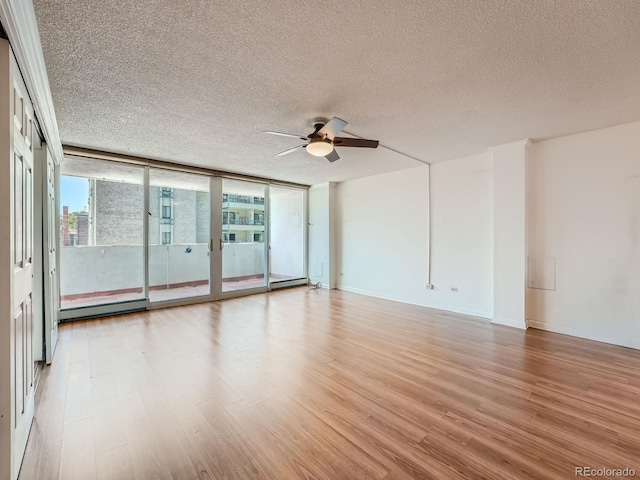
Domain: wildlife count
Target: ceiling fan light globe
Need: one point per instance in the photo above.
(320, 148)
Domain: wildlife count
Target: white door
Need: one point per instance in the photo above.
(51, 295)
(16, 245)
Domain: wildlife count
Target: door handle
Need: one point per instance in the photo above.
(221, 244)
(210, 245)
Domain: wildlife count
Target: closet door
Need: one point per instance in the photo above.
(51, 292)
(16, 246)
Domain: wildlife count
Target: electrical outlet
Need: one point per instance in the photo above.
(454, 289)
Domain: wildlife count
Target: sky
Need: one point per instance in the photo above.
(74, 193)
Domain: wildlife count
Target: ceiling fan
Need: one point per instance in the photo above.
(322, 141)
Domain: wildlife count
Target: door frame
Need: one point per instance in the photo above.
(215, 258)
(46, 295)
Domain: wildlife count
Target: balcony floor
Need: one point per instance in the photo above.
(101, 298)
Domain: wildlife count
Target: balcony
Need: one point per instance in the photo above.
(242, 221)
(93, 275)
(231, 198)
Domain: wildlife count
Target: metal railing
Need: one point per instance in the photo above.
(232, 198)
(241, 221)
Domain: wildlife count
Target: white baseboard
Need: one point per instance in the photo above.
(463, 311)
(589, 335)
(509, 322)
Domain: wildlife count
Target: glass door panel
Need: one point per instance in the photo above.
(179, 234)
(286, 234)
(243, 235)
(101, 233)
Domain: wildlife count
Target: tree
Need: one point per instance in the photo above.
(73, 221)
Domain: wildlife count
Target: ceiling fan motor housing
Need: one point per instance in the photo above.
(319, 122)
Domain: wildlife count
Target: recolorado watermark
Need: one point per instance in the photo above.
(604, 472)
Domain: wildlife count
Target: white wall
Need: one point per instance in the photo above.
(584, 216)
(563, 219)
(462, 235)
(322, 237)
(382, 231)
(383, 235)
(509, 233)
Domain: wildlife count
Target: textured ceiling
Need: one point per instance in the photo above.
(196, 82)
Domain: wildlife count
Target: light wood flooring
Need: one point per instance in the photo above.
(328, 385)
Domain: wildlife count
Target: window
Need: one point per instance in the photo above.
(166, 211)
(232, 237)
(166, 192)
(111, 235)
(166, 238)
(258, 237)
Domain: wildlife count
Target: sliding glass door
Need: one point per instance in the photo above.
(135, 236)
(101, 233)
(244, 259)
(287, 235)
(179, 235)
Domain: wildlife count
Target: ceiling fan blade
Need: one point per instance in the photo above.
(354, 142)
(332, 128)
(291, 150)
(292, 135)
(333, 156)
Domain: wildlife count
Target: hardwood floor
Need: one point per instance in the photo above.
(328, 385)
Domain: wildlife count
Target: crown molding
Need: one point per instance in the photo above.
(19, 21)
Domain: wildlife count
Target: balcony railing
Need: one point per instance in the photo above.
(226, 197)
(109, 268)
(242, 221)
